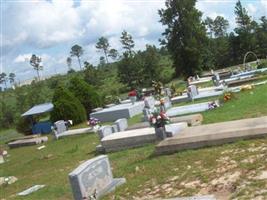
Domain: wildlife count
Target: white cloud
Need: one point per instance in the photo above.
(251, 9)
(22, 58)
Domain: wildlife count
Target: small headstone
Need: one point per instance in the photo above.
(147, 114)
(31, 190)
(104, 131)
(93, 178)
(114, 128)
(60, 126)
(168, 92)
(1, 159)
(192, 91)
(167, 103)
(122, 124)
(149, 102)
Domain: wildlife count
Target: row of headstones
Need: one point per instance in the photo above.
(119, 125)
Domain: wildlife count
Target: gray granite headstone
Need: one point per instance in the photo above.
(122, 124)
(149, 102)
(60, 126)
(93, 178)
(147, 114)
(104, 131)
(192, 91)
(168, 92)
(167, 103)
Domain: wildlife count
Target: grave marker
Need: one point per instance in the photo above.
(93, 178)
(104, 131)
(121, 124)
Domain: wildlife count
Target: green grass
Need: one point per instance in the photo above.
(143, 171)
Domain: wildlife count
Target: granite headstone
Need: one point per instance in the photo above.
(104, 131)
(122, 124)
(93, 179)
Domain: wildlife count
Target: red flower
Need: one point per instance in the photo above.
(132, 93)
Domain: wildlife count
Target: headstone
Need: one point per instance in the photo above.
(147, 114)
(114, 128)
(93, 178)
(104, 131)
(31, 190)
(60, 126)
(167, 103)
(110, 105)
(149, 102)
(168, 92)
(122, 124)
(192, 91)
(1, 159)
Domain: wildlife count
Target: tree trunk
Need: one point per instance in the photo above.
(79, 62)
(105, 52)
(38, 74)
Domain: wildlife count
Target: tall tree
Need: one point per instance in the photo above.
(127, 43)
(35, 61)
(244, 30)
(11, 78)
(3, 78)
(103, 45)
(113, 53)
(209, 24)
(69, 62)
(261, 35)
(185, 35)
(220, 26)
(77, 51)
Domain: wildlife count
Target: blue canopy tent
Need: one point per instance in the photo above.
(39, 127)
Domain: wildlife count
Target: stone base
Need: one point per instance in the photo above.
(115, 183)
(136, 137)
(27, 142)
(214, 134)
(74, 132)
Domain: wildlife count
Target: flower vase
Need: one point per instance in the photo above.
(133, 99)
(160, 133)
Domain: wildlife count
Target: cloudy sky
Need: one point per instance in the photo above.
(49, 28)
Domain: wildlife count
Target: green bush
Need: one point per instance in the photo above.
(67, 106)
(263, 64)
(24, 126)
(85, 93)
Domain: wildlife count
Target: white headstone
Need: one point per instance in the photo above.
(93, 178)
(60, 126)
(122, 124)
(104, 131)
(193, 91)
(149, 102)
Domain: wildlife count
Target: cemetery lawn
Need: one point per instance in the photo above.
(233, 170)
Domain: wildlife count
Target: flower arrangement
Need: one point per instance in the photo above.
(93, 122)
(132, 93)
(158, 119)
(213, 105)
(228, 96)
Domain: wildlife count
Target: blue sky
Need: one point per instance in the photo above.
(50, 28)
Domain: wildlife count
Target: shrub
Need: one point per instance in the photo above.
(24, 126)
(85, 93)
(262, 64)
(67, 106)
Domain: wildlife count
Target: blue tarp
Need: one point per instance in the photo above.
(39, 109)
(42, 127)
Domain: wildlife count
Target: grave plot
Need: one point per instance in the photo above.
(136, 137)
(194, 108)
(214, 134)
(126, 110)
(27, 142)
(191, 120)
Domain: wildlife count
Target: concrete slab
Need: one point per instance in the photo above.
(187, 109)
(214, 134)
(126, 110)
(27, 142)
(191, 120)
(74, 132)
(136, 137)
